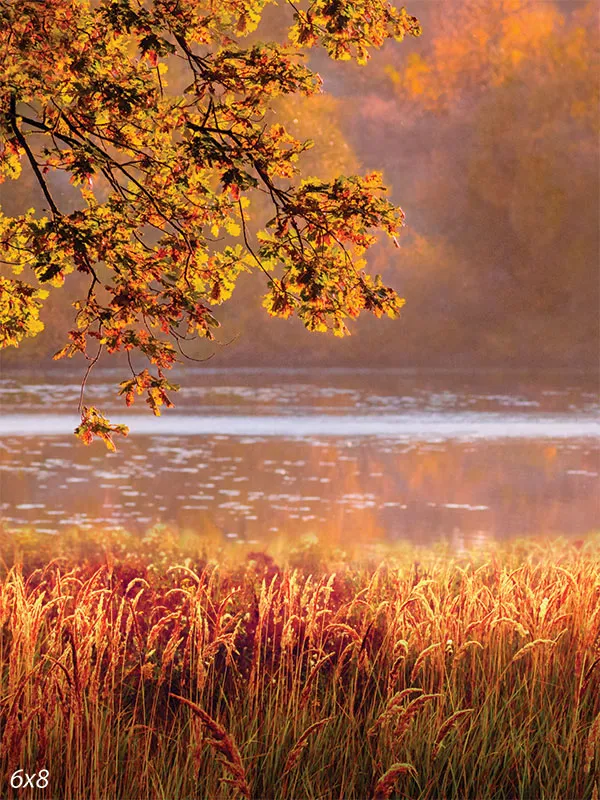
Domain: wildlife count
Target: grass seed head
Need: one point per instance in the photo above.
(385, 785)
(297, 749)
(224, 745)
(447, 725)
(530, 647)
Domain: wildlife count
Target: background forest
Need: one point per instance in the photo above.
(486, 128)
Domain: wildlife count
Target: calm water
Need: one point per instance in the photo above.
(363, 455)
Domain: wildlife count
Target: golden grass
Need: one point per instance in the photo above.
(141, 669)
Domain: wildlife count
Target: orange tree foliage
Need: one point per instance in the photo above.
(485, 45)
(510, 89)
(165, 178)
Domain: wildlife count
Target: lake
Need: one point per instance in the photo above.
(344, 455)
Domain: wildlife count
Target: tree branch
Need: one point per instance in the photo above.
(31, 158)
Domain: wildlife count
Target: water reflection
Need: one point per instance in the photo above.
(348, 455)
(253, 487)
(324, 391)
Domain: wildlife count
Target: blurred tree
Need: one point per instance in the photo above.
(506, 96)
(165, 178)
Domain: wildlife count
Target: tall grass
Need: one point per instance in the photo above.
(469, 677)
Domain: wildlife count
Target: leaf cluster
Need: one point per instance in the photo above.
(165, 179)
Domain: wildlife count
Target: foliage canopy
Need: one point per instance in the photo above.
(164, 178)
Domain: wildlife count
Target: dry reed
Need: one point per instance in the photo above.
(127, 673)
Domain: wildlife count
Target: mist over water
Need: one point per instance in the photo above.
(251, 455)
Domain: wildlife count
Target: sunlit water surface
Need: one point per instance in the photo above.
(360, 455)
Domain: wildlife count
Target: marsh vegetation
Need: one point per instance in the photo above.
(146, 668)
